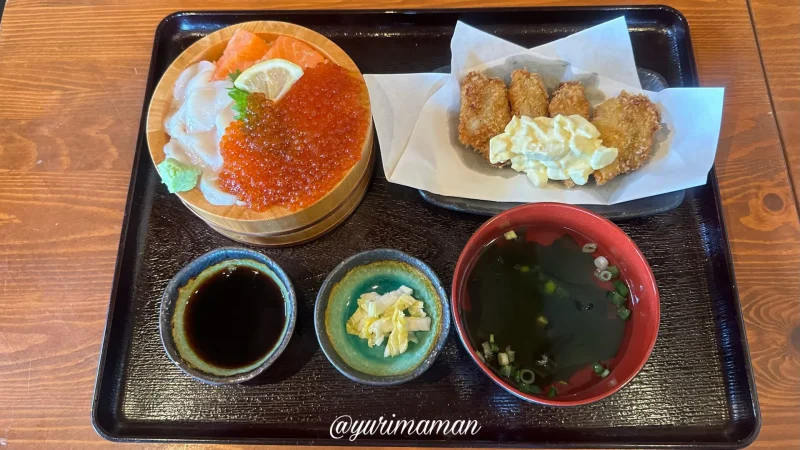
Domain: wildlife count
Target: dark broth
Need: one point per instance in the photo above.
(547, 304)
(235, 317)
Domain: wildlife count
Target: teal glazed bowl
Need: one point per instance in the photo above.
(381, 270)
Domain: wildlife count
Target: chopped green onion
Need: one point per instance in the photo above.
(622, 288)
(598, 369)
(601, 262)
(511, 235)
(617, 299)
(495, 348)
(605, 373)
(480, 356)
(529, 388)
(524, 269)
(510, 353)
(516, 376)
(549, 287)
(491, 338)
(502, 358)
(623, 313)
(542, 321)
(563, 382)
(551, 392)
(614, 271)
(604, 275)
(589, 248)
(526, 376)
(506, 371)
(487, 350)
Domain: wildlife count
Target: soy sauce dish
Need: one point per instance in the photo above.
(555, 304)
(227, 315)
(382, 317)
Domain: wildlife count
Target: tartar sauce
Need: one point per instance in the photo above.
(558, 148)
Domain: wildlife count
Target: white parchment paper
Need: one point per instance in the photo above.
(416, 117)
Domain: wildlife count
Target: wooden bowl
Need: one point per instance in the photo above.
(277, 225)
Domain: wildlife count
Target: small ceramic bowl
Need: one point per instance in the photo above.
(642, 327)
(175, 297)
(382, 271)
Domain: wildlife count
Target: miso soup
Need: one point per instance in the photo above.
(538, 314)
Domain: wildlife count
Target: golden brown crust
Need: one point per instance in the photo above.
(628, 123)
(569, 99)
(527, 94)
(484, 111)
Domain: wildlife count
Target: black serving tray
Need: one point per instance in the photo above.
(696, 389)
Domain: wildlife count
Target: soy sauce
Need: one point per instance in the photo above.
(235, 317)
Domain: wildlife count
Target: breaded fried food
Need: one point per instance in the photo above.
(484, 111)
(527, 94)
(627, 122)
(569, 99)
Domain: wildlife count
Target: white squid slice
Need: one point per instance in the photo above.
(179, 91)
(209, 186)
(204, 104)
(175, 150)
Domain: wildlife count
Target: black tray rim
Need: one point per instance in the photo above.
(150, 87)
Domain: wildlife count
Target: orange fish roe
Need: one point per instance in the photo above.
(293, 152)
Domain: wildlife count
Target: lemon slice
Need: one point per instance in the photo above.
(273, 78)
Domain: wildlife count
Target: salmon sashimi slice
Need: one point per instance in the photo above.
(243, 50)
(295, 51)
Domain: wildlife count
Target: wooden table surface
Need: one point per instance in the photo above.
(777, 24)
(72, 80)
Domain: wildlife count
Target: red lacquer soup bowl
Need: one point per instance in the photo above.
(550, 221)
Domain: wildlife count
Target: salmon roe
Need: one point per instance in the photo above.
(293, 152)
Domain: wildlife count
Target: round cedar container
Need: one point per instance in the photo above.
(276, 226)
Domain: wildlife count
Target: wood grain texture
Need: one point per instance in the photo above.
(69, 115)
(777, 24)
(321, 227)
(277, 225)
